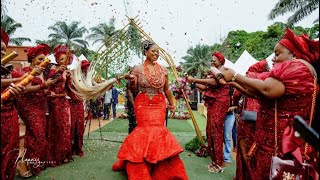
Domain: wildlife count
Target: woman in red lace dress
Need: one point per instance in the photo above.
(59, 123)
(9, 118)
(246, 129)
(216, 97)
(290, 84)
(77, 116)
(9, 123)
(32, 107)
(151, 151)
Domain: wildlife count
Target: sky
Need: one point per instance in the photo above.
(175, 25)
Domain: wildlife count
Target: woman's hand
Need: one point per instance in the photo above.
(51, 93)
(50, 82)
(190, 79)
(232, 108)
(38, 70)
(62, 68)
(228, 74)
(172, 110)
(129, 76)
(172, 113)
(16, 90)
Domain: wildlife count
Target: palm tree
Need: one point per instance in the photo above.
(102, 32)
(70, 35)
(302, 9)
(52, 43)
(197, 60)
(10, 26)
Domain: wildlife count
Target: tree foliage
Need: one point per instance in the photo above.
(197, 60)
(259, 44)
(69, 34)
(301, 9)
(102, 33)
(10, 26)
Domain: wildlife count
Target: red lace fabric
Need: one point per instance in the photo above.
(246, 133)
(9, 140)
(296, 101)
(77, 122)
(32, 108)
(150, 144)
(59, 124)
(217, 102)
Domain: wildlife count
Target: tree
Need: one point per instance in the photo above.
(10, 26)
(52, 43)
(102, 33)
(70, 35)
(301, 9)
(197, 60)
(233, 45)
(119, 45)
(259, 44)
(313, 32)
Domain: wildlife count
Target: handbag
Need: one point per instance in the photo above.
(248, 115)
(287, 169)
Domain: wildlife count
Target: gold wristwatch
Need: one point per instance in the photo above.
(234, 77)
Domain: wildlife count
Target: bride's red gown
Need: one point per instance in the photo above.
(150, 151)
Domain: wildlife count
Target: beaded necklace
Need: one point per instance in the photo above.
(155, 80)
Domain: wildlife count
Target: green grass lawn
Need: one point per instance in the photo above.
(101, 154)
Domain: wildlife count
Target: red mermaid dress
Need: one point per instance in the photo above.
(32, 108)
(9, 139)
(150, 151)
(59, 123)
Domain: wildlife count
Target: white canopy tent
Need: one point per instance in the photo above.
(269, 60)
(244, 62)
(229, 64)
(82, 57)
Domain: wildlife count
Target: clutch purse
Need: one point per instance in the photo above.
(249, 115)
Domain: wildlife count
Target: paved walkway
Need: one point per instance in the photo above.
(94, 126)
